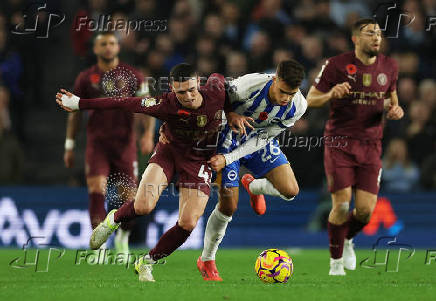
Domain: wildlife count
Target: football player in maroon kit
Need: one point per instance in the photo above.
(359, 85)
(109, 152)
(192, 116)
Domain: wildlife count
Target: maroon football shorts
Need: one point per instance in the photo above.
(193, 173)
(353, 163)
(104, 159)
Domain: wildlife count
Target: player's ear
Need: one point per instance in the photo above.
(354, 39)
(94, 49)
(117, 48)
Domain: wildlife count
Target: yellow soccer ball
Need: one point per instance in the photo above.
(274, 266)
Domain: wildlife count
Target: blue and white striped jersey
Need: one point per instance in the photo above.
(249, 97)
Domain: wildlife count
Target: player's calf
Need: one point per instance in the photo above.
(228, 201)
(289, 190)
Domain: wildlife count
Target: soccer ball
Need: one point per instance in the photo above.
(274, 266)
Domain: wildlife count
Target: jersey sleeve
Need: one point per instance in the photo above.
(326, 79)
(242, 87)
(79, 85)
(147, 105)
(262, 137)
(394, 77)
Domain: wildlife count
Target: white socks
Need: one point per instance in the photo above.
(263, 186)
(214, 233)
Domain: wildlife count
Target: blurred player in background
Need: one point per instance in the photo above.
(192, 116)
(357, 84)
(111, 143)
(273, 102)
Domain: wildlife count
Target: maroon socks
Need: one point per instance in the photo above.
(336, 238)
(169, 242)
(354, 226)
(125, 213)
(97, 212)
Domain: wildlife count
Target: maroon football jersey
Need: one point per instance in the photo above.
(194, 131)
(359, 114)
(109, 125)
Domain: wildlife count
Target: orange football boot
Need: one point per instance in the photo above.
(208, 270)
(257, 201)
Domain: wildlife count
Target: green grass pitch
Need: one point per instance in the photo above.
(179, 279)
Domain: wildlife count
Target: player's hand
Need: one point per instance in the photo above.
(146, 143)
(238, 122)
(162, 138)
(69, 158)
(67, 101)
(217, 162)
(395, 112)
(340, 90)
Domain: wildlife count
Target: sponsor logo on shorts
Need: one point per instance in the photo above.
(232, 175)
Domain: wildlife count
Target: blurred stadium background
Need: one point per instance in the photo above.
(40, 197)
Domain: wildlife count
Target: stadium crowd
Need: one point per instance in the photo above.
(238, 37)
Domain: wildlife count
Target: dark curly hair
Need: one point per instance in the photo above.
(291, 72)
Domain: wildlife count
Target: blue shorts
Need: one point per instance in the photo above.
(259, 163)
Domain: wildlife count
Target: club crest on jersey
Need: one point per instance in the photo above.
(382, 79)
(201, 120)
(366, 79)
(148, 102)
(232, 175)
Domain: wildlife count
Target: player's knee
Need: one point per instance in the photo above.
(290, 190)
(363, 214)
(142, 207)
(96, 184)
(188, 223)
(342, 210)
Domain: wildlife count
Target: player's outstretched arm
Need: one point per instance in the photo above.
(316, 98)
(70, 103)
(253, 144)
